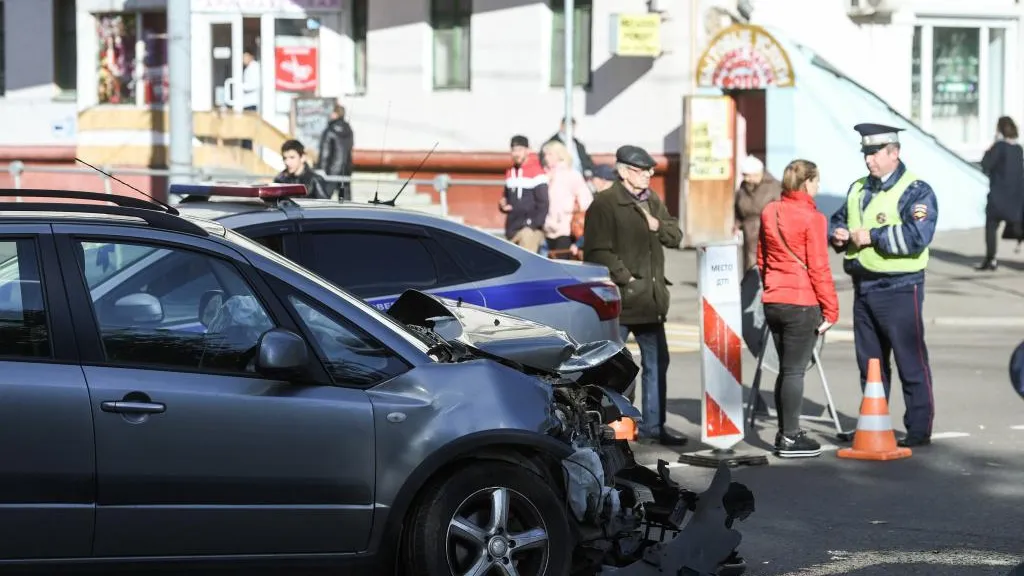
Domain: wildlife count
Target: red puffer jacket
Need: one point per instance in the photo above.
(806, 232)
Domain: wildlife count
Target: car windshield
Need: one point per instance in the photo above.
(397, 326)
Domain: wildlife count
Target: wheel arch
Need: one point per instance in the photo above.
(537, 452)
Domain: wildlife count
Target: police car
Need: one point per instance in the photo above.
(376, 251)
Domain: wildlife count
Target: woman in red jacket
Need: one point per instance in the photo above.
(799, 295)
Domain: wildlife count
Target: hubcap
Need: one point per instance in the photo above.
(497, 531)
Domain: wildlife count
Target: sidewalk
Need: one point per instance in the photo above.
(955, 294)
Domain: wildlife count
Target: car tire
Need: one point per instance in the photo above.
(453, 527)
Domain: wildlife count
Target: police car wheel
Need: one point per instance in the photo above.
(484, 515)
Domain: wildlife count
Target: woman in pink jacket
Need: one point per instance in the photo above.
(567, 192)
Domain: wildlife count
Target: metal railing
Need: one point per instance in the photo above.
(441, 183)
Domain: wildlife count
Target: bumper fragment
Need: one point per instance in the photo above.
(706, 545)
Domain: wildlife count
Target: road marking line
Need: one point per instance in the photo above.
(1018, 427)
(847, 562)
(948, 435)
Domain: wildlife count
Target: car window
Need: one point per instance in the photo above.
(479, 261)
(23, 324)
(274, 242)
(176, 309)
(352, 357)
(370, 264)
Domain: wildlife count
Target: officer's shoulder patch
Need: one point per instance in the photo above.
(920, 211)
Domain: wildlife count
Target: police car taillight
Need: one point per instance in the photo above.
(262, 191)
(603, 297)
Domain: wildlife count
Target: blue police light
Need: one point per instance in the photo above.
(262, 191)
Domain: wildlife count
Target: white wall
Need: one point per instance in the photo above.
(510, 83)
(30, 111)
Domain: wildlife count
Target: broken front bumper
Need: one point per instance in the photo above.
(706, 544)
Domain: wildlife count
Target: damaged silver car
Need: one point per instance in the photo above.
(567, 497)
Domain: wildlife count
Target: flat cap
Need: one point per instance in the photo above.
(634, 156)
(874, 137)
(605, 172)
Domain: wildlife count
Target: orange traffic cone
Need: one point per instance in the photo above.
(874, 438)
(625, 429)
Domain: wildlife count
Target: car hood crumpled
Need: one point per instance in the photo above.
(530, 344)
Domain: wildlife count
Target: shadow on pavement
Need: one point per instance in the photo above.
(969, 261)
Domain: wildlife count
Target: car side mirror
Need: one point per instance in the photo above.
(139, 308)
(281, 353)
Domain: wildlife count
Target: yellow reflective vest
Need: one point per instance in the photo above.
(882, 210)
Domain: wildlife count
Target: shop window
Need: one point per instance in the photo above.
(360, 26)
(583, 12)
(956, 67)
(450, 20)
(127, 77)
(65, 59)
(3, 63)
(996, 92)
(915, 77)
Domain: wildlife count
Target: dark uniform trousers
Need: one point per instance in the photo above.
(888, 322)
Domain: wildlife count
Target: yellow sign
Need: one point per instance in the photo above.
(744, 57)
(711, 141)
(636, 35)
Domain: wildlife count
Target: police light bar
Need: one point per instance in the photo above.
(268, 191)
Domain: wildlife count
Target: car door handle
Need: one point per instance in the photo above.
(126, 407)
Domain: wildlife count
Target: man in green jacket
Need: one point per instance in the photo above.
(626, 230)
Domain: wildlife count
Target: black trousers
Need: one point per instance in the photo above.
(991, 227)
(794, 329)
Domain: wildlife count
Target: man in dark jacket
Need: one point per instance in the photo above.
(581, 160)
(297, 171)
(335, 157)
(525, 200)
(626, 230)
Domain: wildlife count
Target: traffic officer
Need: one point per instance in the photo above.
(885, 228)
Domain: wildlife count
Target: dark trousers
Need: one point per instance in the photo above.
(794, 329)
(653, 344)
(888, 323)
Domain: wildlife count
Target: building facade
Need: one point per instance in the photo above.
(466, 75)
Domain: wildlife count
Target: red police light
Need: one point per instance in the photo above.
(263, 191)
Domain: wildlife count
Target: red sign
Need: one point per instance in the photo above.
(744, 57)
(295, 68)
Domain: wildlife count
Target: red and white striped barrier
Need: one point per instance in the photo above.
(721, 312)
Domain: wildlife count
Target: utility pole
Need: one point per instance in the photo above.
(179, 49)
(570, 10)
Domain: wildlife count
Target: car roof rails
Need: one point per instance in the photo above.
(153, 213)
(269, 193)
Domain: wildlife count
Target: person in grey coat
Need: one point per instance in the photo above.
(1004, 164)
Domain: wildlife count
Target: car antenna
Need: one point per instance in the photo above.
(387, 120)
(116, 179)
(409, 179)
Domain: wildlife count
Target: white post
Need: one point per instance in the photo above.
(570, 9)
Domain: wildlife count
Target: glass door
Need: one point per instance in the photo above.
(226, 61)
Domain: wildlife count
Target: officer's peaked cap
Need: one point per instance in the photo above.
(634, 156)
(874, 137)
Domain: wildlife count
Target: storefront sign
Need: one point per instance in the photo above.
(259, 6)
(295, 68)
(710, 142)
(636, 35)
(744, 57)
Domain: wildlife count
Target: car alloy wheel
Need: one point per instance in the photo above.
(497, 530)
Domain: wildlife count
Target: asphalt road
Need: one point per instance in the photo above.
(954, 508)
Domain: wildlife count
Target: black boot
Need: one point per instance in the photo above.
(988, 265)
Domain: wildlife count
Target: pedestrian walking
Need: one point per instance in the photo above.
(885, 228)
(335, 155)
(627, 228)
(581, 160)
(799, 298)
(525, 198)
(568, 200)
(297, 171)
(754, 193)
(1004, 164)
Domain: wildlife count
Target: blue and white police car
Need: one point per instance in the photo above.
(377, 251)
